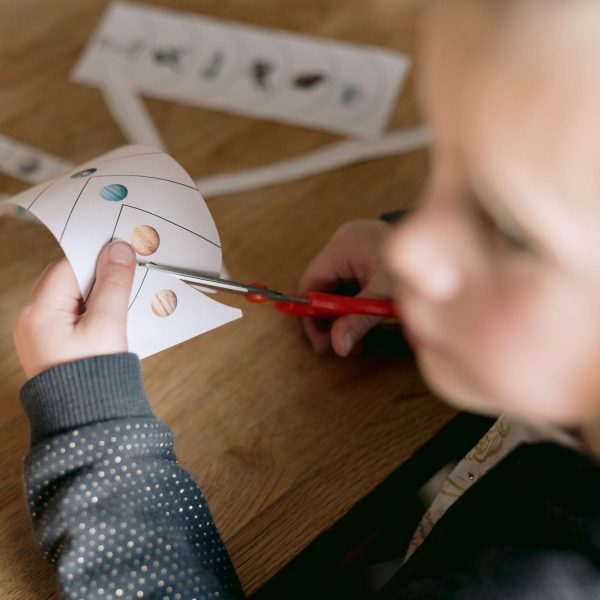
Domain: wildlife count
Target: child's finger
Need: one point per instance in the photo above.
(109, 299)
(318, 333)
(325, 271)
(348, 330)
(57, 288)
(320, 276)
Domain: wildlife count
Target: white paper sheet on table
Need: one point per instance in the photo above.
(330, 85)
(142, 195)
(29, 164)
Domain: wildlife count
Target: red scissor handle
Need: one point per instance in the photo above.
(327, 306)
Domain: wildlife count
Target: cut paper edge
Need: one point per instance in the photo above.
(198, 308)
(129, 111)
(147, 333)
(319, 161)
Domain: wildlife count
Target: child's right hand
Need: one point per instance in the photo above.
(54, 328)
(354, 253)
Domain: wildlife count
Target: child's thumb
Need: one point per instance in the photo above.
(109, 300)
(346, 331)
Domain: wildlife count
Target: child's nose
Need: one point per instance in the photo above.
(420, 253)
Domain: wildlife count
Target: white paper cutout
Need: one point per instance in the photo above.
(303, 80)
(129, 110)
(309, 164)
(312, 163)
(29, 164)
(110, 197)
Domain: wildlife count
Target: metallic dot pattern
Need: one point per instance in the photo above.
(119, 518)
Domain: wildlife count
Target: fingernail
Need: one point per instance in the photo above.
(120, 252)
(349, 340)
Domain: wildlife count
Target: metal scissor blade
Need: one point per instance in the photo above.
(223, 284)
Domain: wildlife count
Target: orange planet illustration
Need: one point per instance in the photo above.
(164, 303)
(145, 240)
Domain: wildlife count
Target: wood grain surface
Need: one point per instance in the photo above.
(282, 441)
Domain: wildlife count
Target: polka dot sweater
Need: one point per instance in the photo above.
(112, 511)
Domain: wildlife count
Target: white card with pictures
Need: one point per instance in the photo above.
(143, 196)
(170, 53)
(27, 163)
(314, 82)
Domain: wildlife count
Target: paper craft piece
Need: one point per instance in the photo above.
(338, 87)
(143, 196)
(129, 110)
(312, 163)
(29, 164)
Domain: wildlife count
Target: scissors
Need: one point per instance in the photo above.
(317, 305)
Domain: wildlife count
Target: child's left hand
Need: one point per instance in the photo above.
(54, 326)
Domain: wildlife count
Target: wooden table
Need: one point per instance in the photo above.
(282, 441)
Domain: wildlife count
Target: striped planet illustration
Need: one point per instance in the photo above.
(145, 240)
(115, 192)
(164, 303)
(84, 173)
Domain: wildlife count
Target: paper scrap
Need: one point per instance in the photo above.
(309, 164)
(29, 164)
(129, 110)
(143, 196)
(338, 87)
(312, 163)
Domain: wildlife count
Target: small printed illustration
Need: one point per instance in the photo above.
(30, 166)
(308, 81)
(115, 192)
(170, 57)
(164, 303)
(350, 95)
(84, 173)
(145, 240)
(261, 71)
(214, 67)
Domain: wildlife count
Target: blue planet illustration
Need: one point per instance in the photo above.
(84, 173)
(115, 192)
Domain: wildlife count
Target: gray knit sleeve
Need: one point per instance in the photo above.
(112, 511)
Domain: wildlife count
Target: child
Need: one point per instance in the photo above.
(497, 276)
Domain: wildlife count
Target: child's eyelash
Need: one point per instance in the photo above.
(514, 238)
(509, 233)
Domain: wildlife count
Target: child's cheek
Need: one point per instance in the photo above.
(498, 350)
(537, 354)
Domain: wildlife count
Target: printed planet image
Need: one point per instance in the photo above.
(115, 192)
(145, 240)
(164, 303)
(308, 80)
(84, 173)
